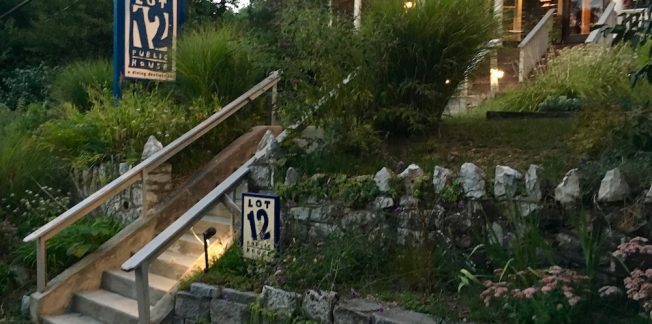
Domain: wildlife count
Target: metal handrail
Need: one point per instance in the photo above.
(139, 172)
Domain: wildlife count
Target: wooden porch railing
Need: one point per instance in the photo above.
(535, 45)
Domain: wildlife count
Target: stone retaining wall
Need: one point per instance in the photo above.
(212, 304)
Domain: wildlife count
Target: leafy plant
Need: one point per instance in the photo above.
(72, 244)
(561, 103)
(72, 83)
(26, 85)
(355, 192)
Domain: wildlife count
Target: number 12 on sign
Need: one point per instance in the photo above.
(260, 226)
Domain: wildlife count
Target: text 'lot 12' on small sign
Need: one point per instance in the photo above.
(260, 226)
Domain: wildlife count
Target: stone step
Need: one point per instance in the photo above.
(70, 318)
(172, 264)
(221, 223)
(189, 243)
(124, 284)
(106, 306)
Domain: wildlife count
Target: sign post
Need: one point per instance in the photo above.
(260, 226)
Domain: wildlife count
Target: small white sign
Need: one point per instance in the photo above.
(260, 226)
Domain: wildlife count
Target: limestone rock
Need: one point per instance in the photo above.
(400, 316)
(506, 182)
(408, 201)
(24, 305)
(472, 179)
(383, 202)
(152, 146)
(261, 176)
(410, 175)
(534, 183)
(204, 291)
(266, 141)
(355, 311)
(300, 213)
(281, 301)
(228, 312)
(613, 187)
(382, 179)
(440, 178)
(318, 305)
(568, 191)
(241, 297)
(311, 139)
(648, 196)
(123, 168)
(526, 208)
(269, 145)
(292, 176)
(191, 307)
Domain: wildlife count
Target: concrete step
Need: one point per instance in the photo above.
(189, 243)
(172, 264)
(106, 306)
(124, 284)
(70, 318)
(221, 223)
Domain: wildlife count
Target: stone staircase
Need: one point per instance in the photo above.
(115, 301)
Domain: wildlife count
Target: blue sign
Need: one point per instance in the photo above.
(150, 39)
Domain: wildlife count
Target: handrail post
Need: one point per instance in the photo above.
(145, 192)
(41, 265)
(142, 293)
(272, 107)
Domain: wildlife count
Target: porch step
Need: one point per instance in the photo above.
(70, 318)
(221, 223)
(106, 306)
(124, 284)
(173, 264)
(189, 243)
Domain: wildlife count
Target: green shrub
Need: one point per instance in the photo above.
(595, 127)
(71, 84)
(84, 138)
(421, 55)
(25, 85)
(594, 74)
(217, 65)
(354, 192)
(22, 160)
(347, 259)
(560, 103)
(72, 244)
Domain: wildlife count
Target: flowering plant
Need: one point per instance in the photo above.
(548, 295)
(638, 284)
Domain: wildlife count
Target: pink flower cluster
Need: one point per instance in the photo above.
(639, 288)
(635, 246)
(555, 278)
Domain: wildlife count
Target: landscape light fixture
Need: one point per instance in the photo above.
(208, 233)
(408, 5)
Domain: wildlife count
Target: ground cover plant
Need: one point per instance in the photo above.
(593, 75)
